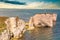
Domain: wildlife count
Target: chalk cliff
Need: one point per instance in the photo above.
(43, 20)
(15, 26)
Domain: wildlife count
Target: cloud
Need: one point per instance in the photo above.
(33, 5)
(13, 2)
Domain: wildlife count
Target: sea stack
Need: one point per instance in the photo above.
(43, 20)
(15, 26)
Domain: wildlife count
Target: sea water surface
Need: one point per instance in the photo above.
(38, 33)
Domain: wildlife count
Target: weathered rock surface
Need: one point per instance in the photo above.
(43, 20)
(15, 26)
(5, 35)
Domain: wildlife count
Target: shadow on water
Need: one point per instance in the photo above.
(38, 34)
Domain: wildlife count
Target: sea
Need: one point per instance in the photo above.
(38, 33)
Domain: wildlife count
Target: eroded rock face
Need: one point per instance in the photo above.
(15, 26)
(44, 20)
(5, 35)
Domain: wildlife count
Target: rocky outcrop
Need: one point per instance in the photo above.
(5, 35)
(15, 26)
(43, 20)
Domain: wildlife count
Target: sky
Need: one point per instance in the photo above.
(30, 4)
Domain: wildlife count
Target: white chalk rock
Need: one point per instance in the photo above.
(5, 35)
(15, 25)
(44, 20)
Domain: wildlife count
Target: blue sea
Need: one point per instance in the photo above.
(38, 33)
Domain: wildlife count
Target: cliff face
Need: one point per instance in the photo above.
(5, 35)
(15, 26)
(43, 20)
